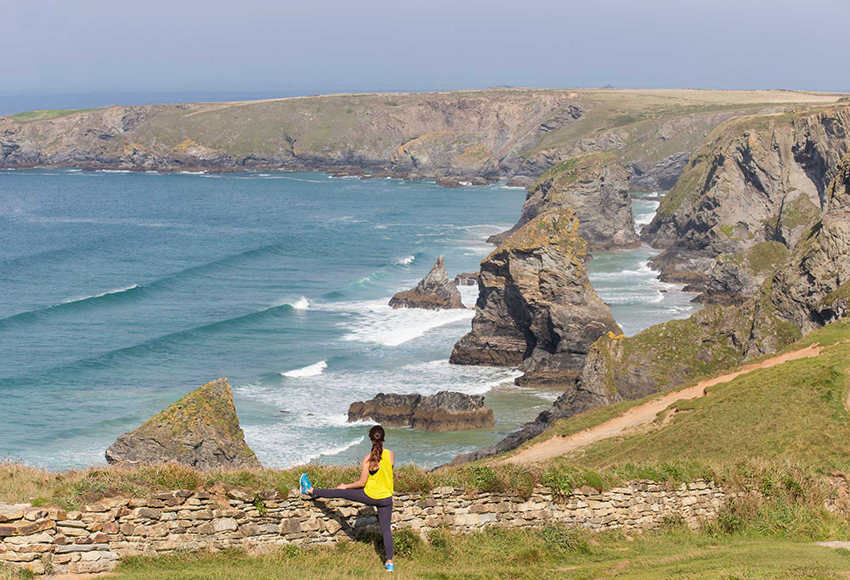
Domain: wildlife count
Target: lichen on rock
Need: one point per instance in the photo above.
(200, 430)
(596, 188)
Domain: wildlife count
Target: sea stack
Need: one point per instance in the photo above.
(434, 292)
(596, 188)
(536, 308)
(445, 411)
(200, 430)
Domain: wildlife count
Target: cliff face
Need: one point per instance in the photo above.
(810, 290)
(463, 134)
(596, 187)
(536, 308)
(757, 180)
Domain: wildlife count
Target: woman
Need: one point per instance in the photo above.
(375, 487)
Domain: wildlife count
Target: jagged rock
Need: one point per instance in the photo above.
(434, 292)
(536, 308)
(387, 409)
(200, 430)
(811, 290)
(735, 277)
(756, 180)
(658, 177)
(445, 411)
(466, 279)
(595, 187)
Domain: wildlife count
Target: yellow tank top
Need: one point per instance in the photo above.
(380, 485)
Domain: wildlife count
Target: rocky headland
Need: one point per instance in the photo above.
(536, 308)
(445, 411)
(459, 137)
(596, 188)
(809, 290)
(434, 292)
(756, 182)
(200, 430)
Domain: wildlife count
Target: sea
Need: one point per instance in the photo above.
(120, 292)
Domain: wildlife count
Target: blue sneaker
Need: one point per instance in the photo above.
(389, 567)
(305, 483)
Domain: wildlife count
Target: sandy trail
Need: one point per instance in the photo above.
(644, 414)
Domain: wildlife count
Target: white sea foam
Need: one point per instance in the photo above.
(308, 371)
(377, 322)
(116, 291)
(278, 446)
(300, 304)
(469, 294)
(406, 260)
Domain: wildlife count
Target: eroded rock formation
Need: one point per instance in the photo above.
(756, 180)
(596, 187)
(445, 411)
(434, 292)
(200, 430)
(810, 290)
(536, 308)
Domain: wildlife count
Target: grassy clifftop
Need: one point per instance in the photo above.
(482, 133)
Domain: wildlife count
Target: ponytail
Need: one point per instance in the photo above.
(376, 435)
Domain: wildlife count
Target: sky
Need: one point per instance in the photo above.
(147, 49)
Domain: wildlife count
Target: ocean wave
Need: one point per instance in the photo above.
(101, 295)
(406, 260)
(376, 322)
(469, 295)
(300, 304)
(71, 304)
(313, 370)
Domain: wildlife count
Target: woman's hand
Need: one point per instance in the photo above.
(342, 486)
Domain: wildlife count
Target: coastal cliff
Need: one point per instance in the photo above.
(809, 291)
(757, 180)
(596, 187)
(536, 308)
(463, 136)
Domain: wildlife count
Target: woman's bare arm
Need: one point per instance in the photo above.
(392, 458)
(364, 476)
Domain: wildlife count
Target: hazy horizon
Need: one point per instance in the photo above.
(262, 49)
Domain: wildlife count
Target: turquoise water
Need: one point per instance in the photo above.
(121, 292)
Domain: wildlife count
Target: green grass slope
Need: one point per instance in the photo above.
(790, 413)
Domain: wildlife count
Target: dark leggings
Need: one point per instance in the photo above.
(385, 510)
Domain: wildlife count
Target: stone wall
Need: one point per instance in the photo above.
(95, 538)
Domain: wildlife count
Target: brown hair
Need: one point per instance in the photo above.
(376, 435)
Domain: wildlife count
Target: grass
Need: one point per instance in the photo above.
(551, 552)
(47, 114)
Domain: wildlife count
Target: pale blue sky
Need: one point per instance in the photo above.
(273, 46)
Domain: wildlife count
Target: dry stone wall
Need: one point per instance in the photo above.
(95, 538)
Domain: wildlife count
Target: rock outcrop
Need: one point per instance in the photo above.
(596, 187)
(466, 279)
(434, 292)
(536, 308)
(812, 289)
(445, 411)
(756, 180)
(200, 430)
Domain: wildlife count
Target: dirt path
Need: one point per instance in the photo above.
(644, 414)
